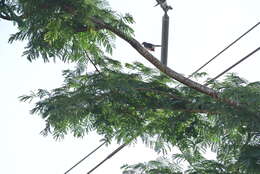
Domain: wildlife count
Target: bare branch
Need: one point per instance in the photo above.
(168, 71)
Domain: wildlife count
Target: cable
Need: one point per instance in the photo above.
(241, 60)
(227, 47)
(109, 156)
(85, 157)
(92, 62)
(207, 83)
(123, 145)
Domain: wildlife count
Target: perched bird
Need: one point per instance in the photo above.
(159, 2)
(150, 46)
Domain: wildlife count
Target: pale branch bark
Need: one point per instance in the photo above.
(168, 71)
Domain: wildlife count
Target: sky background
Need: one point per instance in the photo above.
(198, 30)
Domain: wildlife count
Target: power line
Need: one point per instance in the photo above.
(109, 156)
(91, 61)
(241, 60)
(123, 145)
(85, 157)
(227, 47)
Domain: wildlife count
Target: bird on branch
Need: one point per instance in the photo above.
(150, 46)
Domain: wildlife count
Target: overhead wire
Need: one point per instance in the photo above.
(227, 47)
(85, 157)
(123, 145)
(92, 62)
(241, 60)
(80, 161)
(109, 156)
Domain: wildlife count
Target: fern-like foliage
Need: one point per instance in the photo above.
(126, 102)
(64, 28)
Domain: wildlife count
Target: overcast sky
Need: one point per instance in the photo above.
(198, 30)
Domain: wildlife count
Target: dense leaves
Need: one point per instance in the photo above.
(63, 28)
(126, 102)
(131, 101)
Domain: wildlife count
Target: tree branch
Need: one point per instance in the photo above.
(168, 71)
(139, 48)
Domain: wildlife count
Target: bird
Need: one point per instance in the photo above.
(159, 2)
(150, 46)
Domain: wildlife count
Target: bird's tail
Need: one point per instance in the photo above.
(157, 45)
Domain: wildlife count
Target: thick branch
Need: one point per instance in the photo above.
(168, 71)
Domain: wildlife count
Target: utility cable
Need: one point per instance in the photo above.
(100, 144)
(241, 60)
(91, 61)
(109, 156)
(123, 145)
(227, 47)
(85, 157)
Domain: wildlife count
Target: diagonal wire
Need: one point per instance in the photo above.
(95, 66)
(123, 145)
(85, 157)
(241, 60)
(100, 144)
(227, 47)
(109, 156)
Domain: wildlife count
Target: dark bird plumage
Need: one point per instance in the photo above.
(150, 46)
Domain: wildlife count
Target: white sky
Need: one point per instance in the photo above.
(198, 30)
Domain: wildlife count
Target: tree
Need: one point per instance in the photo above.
(124, 102)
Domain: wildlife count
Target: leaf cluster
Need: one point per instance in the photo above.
(64, 29)
(125, 102)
